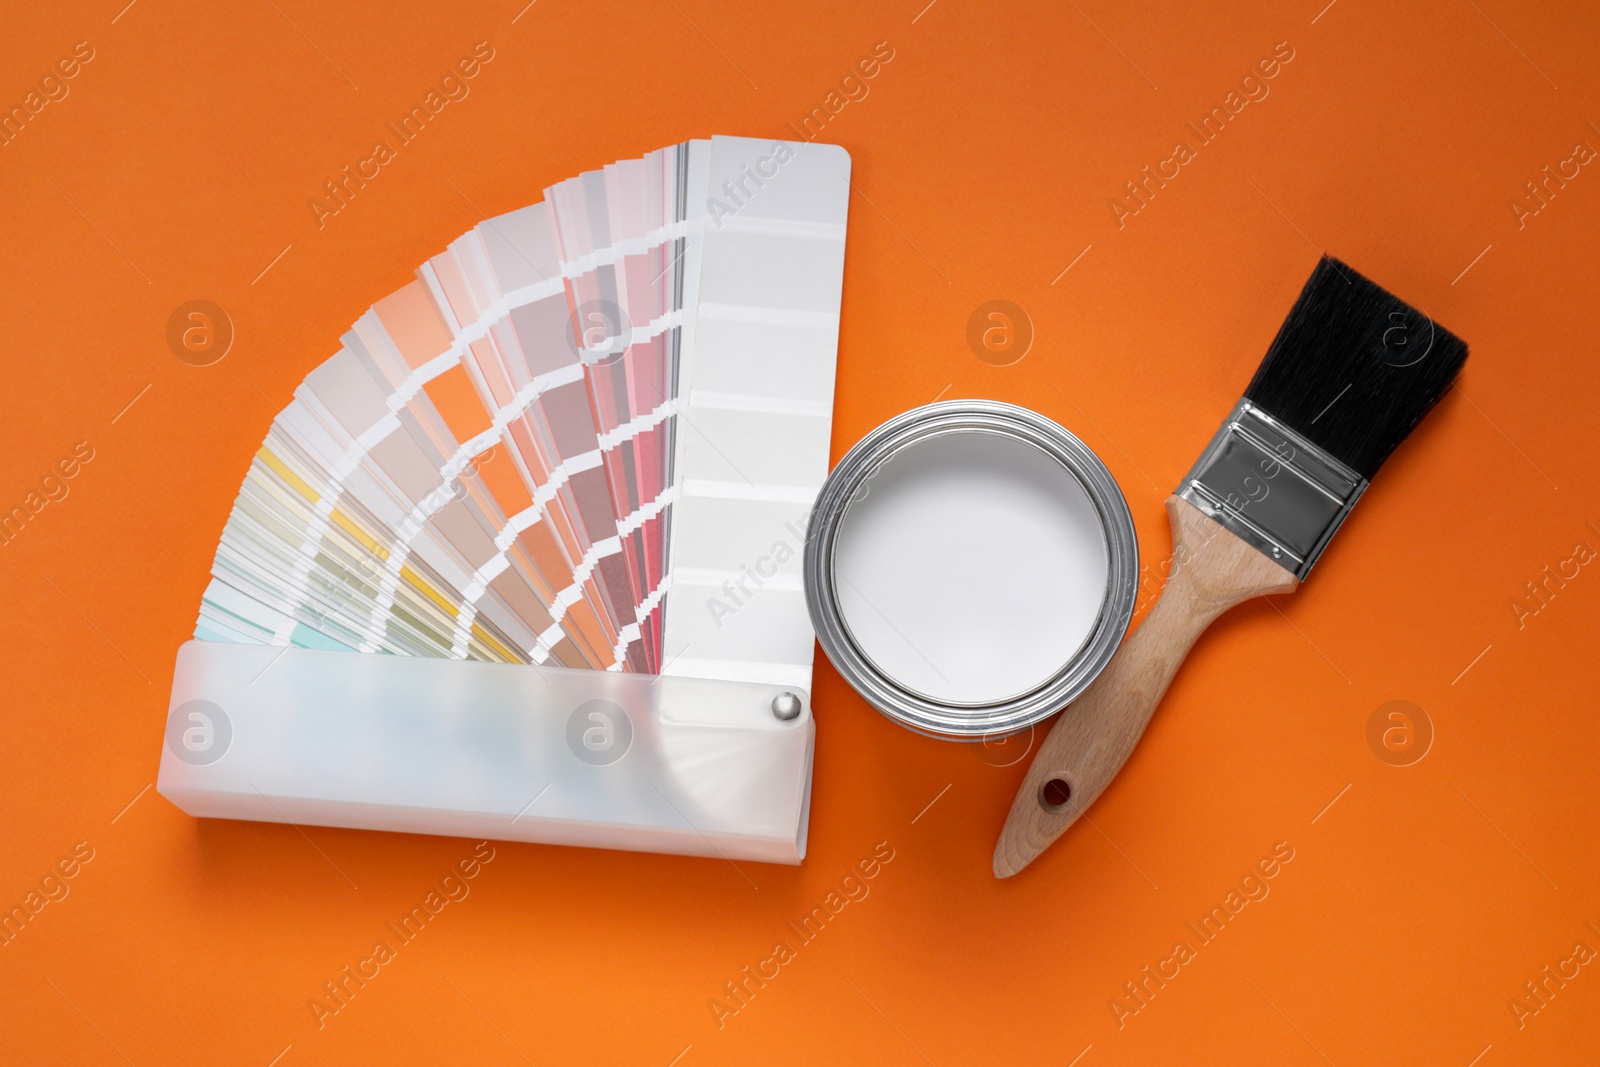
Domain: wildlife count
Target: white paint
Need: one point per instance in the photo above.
(973, 569)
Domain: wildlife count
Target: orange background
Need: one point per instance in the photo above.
(1415, 906)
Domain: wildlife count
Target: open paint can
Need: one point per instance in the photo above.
(970, 568)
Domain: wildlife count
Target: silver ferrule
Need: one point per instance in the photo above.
(1273, 488)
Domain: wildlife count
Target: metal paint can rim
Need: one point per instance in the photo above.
(909, 708)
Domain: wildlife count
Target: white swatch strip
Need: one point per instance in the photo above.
(744, 223)
(704, 399)
(589, 262)
(769, 316)
(722, 490)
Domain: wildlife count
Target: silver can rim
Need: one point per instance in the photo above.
(971, 722)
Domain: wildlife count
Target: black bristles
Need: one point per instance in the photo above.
(1354, 368)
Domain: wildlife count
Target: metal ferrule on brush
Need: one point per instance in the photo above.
(1273, 488)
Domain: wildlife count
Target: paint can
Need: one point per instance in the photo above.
(970, 568)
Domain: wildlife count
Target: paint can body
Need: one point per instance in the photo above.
(970, 568)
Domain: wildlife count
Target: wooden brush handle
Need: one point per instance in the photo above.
(1212, 571)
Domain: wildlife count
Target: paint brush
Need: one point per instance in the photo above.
(1352, 371)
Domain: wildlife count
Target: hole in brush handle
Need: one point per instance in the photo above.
(1055, 794)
